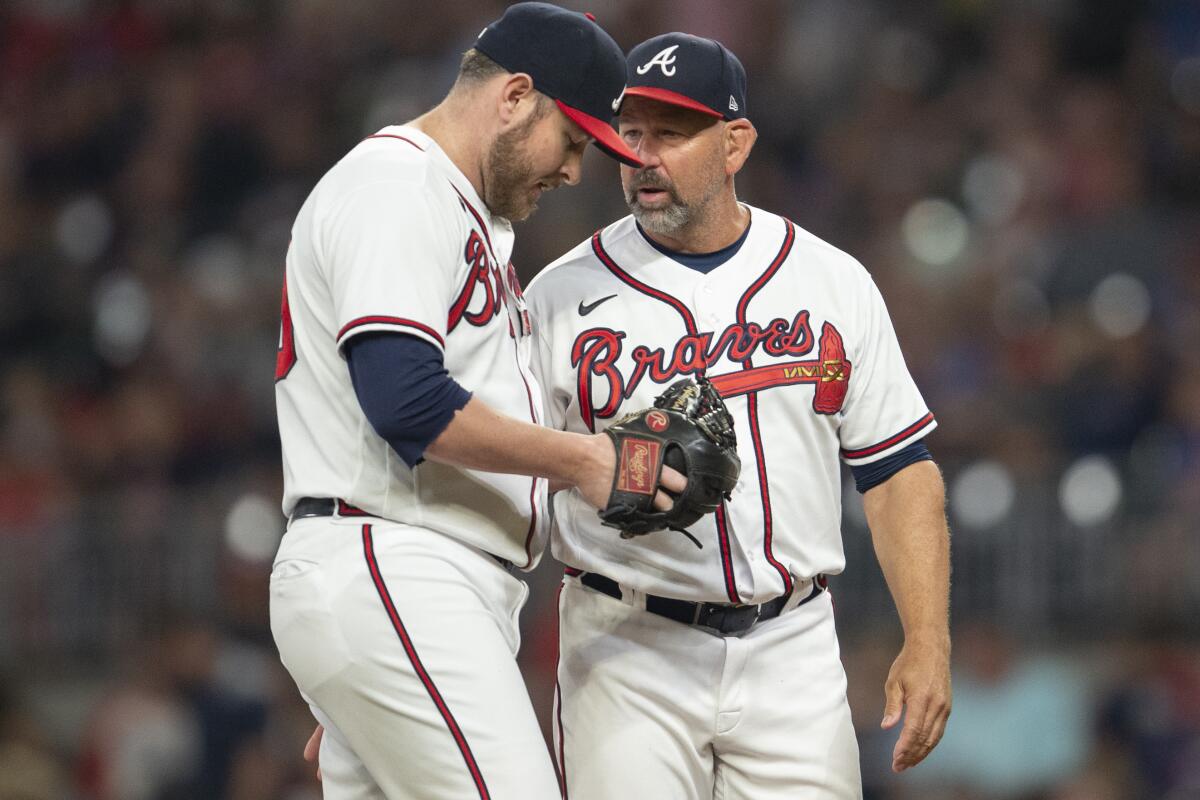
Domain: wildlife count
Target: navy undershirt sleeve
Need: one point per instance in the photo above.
(404, 389)
(868, 476)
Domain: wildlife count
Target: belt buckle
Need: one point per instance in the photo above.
(754, 620)
(726, 626)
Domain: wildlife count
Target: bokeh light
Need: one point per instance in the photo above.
(983, 494)
(1120, 305)
(1090, 491)
(218, 270)
(935, 232)
(123, 314)
(84, 228)
(253, 528)
(993, 187)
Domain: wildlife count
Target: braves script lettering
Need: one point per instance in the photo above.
(483, 278)
(597, 352)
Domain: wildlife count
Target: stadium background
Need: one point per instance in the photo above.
(1022, 179)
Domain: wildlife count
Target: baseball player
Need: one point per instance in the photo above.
(415, 468)
(714, 672)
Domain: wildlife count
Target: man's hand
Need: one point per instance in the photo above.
(594, 475)
(312, 750)
(919, 683)
(907, 517)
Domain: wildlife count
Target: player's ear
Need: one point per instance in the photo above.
(517, 97)
(740, 136)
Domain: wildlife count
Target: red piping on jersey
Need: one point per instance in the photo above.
(690, 323)
(752, 406)
(394, 136)
(381, 320)
(891, 440)
(731, 589)
(487, 236)
(657, 294)
(562, 758)
(532, 481)
(386, 597)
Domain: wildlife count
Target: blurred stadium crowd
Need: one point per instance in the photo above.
(1022, 179)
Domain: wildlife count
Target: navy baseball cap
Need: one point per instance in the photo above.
(688, 71)
(571, 60)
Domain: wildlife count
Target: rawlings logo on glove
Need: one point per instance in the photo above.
(690, 430)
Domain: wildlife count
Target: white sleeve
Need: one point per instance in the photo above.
(392, 261)
(884, 410)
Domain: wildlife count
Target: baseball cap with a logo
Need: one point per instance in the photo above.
(571, 60)
(688, 71)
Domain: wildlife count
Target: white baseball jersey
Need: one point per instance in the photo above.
(794, 334)
(395, 238)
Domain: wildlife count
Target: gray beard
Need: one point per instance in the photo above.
(676, 216)
(663, 221)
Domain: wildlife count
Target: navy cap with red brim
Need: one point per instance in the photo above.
(603, 135)
(688, 71)
(570, 59)
(671, 98)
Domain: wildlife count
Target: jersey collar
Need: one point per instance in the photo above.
(656, 252)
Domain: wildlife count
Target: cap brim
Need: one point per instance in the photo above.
(672, 98)
(605, 137)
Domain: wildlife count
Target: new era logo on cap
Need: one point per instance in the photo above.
(688, 71)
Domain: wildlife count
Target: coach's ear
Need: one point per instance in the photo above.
(517, 98)
(740, 136)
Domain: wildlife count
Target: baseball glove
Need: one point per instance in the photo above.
(690, 430)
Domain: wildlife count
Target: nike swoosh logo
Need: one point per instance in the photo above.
(584, 310)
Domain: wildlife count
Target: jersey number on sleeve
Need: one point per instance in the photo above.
(285, 356)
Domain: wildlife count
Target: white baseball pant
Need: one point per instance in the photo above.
(403, 641)
(649, 707)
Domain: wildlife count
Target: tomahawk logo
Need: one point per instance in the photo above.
(664, 61)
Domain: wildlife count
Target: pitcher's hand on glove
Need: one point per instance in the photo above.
(690, 430)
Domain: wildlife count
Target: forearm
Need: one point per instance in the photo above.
(478, 437)
(907, 518)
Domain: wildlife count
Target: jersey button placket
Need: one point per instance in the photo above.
(705, 300)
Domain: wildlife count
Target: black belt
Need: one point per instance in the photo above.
(722, 617)
(325, 507)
